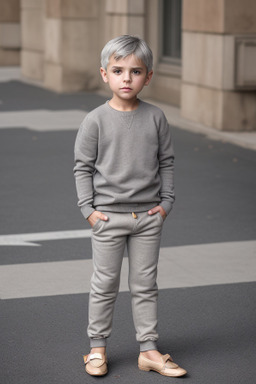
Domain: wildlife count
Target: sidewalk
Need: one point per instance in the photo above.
(243, 139)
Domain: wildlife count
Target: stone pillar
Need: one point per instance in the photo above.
(125, 17)
(32, 36)
(211, 92)
(9, 32)
(71, 60)
(121, 17)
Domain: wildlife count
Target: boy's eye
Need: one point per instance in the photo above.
(117, 71)
(136, 72)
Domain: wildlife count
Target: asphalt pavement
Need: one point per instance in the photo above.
(207, 268)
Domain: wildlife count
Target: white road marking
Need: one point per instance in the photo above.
(185, 266)
(29, 239)
(43, 120)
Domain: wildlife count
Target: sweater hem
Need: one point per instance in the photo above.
(126, 207)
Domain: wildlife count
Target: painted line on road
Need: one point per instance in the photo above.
(179, 267)
(43, 120)
(29, 239)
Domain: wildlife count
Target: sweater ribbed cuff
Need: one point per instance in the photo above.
(167, 206)
(87, 210)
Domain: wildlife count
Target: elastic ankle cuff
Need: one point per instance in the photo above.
(147, 345)
(97, 343)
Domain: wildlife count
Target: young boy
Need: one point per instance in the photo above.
(124, 178)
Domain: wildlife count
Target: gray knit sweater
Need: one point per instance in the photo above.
(124, 160)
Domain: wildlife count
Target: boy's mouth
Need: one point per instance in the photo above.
(126, 89)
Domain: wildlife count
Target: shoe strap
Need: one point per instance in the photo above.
(93, 356)
(166, 358)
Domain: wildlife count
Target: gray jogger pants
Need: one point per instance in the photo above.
(141, 234)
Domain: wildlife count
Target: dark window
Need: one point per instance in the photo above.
(171, 38)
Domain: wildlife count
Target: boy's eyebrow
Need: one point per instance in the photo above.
(117, 67)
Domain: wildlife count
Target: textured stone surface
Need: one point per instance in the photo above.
(121, 24)
(165, 88)
(202, 15)
(9, 57)
(32, 28)
(75, 9)
(126, 6)
(223, 110)
(10, 11)
(10, 35)
(203, 59)
(53, 40)
(32, 64)
(240, 16)
(203, 105)
(239, 112)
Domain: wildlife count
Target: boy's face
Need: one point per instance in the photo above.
(126, 77)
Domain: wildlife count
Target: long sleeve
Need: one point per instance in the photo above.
(85, 157)
(166, 168)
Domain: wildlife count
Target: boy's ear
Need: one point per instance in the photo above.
(148, 78)
(104, 76)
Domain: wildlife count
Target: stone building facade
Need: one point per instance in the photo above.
(204, 50)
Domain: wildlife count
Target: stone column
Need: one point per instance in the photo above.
(125, 17)
(212, 93)
(32, 35)
(121, 17)
(71, 58)
(9, 32)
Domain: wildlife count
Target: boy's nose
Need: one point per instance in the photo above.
(127, 77)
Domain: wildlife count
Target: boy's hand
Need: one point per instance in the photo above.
(156, 209)
(95, 216)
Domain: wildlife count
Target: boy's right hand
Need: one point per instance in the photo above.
(95, 216)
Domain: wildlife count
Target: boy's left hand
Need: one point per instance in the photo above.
(156, 209)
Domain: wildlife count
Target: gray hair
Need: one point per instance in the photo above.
(124, 46)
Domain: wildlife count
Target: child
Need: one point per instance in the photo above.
(124, 179)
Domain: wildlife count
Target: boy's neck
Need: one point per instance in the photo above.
(124, 105)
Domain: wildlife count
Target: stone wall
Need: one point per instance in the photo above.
(62, 39)
(209, 93)
(9, 32)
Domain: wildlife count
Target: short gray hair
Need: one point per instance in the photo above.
(124, 46)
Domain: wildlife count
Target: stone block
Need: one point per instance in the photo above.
(60, 79)
(9, 57)
(211, 60)
(202, 105)
(10, 11)
(32, 29)
(53, 40)
(164, 88)
(79, 50)
(117, 25)
(32, 64)
(239, 112)
(203, 59)
(75, 9)
(219, 109)
(132, 7)
(53, 9)
(240, 16)
(136, 26)
(53, 76)
(74, 81)
(203, 15)
(10, 35)
(32, 4)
